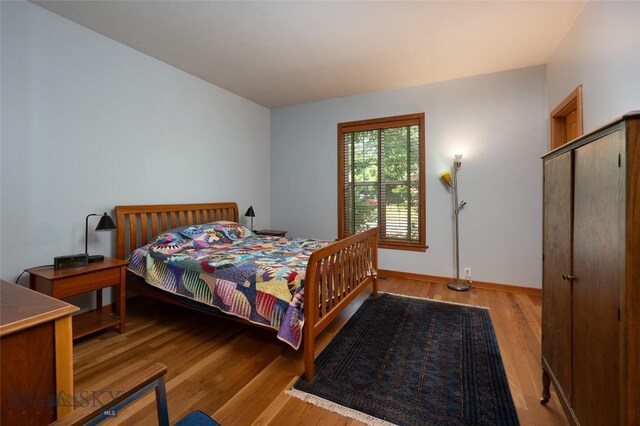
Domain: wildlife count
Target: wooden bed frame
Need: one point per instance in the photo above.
(338, 272)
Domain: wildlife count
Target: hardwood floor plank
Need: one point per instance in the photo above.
(247, 405)
(238, 374)
(272, 410)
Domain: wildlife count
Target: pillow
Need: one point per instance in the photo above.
(199, 236)
(205, 235)
(209, 237)
(168, 242)
(232, 230)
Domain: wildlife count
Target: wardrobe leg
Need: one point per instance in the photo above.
(546, 383)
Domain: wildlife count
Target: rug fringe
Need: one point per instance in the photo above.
(434, 300)
(337, 408)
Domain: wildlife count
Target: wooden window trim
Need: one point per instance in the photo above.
(383, 123)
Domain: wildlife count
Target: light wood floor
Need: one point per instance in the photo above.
(238, 374)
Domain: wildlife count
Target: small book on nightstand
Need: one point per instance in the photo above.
(271, 232)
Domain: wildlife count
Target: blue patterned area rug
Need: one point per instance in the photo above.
(411, 361)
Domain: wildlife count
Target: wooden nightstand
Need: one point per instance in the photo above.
(63, 283)
(271, 232)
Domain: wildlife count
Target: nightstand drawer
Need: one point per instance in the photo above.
(82, 283)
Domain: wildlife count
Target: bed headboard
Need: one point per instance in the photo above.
(138, 224)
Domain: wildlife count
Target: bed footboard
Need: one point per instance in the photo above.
(335, 275)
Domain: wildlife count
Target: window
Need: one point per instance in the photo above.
(381, 180)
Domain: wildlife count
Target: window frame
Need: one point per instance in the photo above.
(378, 124)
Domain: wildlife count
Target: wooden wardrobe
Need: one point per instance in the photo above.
(591, 275)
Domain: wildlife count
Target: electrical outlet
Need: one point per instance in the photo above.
(467, 272)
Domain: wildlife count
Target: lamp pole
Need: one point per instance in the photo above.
(457, 285)
(86, 232)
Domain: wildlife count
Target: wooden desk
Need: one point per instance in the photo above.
(60, 283)
(36, 355)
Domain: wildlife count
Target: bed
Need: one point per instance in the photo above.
(327, 275)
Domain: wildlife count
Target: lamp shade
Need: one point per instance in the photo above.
(106, 223)
(446, 177)
(250, 212)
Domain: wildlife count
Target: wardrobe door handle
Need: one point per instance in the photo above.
(568, 277)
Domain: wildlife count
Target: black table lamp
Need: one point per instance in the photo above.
(105, 224)
(250, 214)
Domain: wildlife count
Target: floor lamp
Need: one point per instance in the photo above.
(453, 184)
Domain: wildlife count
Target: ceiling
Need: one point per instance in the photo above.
(280, 53)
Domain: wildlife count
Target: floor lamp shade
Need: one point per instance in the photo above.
(446, 177)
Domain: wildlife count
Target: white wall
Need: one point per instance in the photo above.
(601, 52)
(498, 121)
(88, 123)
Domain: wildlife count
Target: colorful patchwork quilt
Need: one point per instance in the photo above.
(224, 264)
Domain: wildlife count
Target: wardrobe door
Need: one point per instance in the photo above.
(598, 258)
(556, 292)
